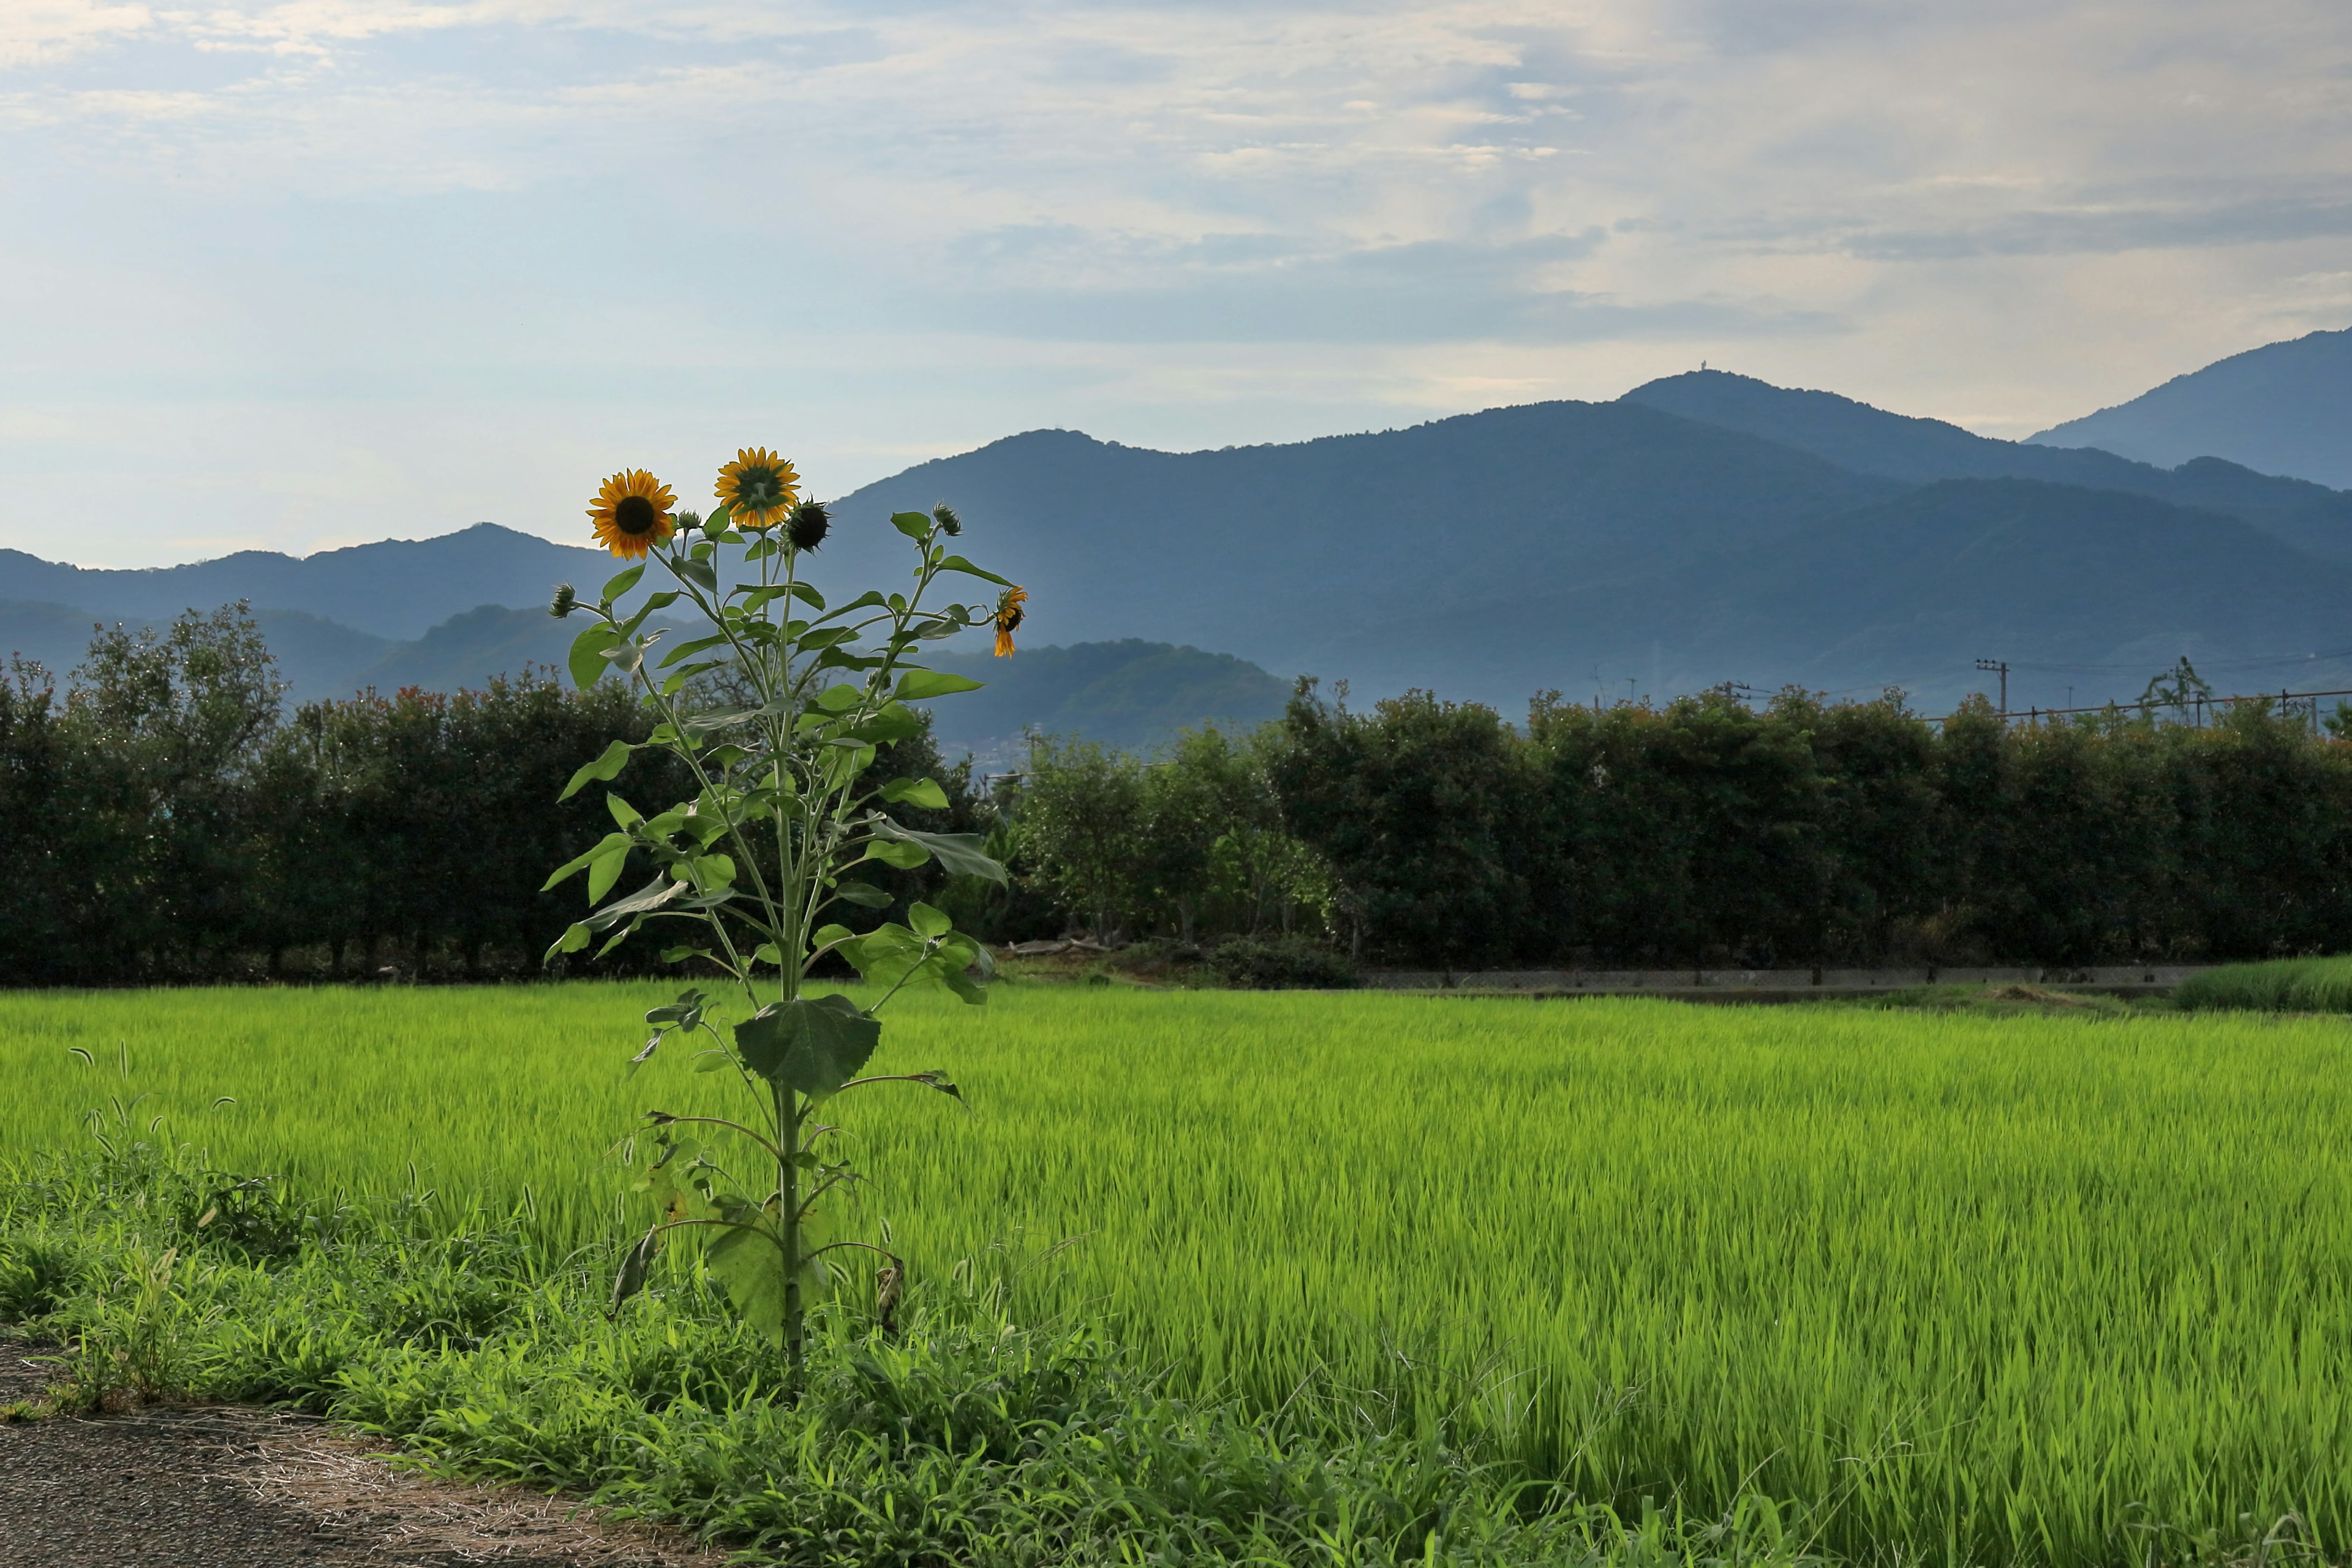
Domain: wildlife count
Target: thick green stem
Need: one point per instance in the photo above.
(787, 1225)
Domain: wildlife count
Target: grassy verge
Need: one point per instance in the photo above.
(2286, 986)
(964, 1437)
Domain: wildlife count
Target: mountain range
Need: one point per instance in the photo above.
(2282, 408)
(1702, 528)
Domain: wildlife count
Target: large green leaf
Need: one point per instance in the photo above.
(623, 582)
(920, 685)
(914, 792)
(913, 524)
(812, 1044)
(751, 1263)
(865, 895)
(894, 721)
(587, 660)
(963, 854)
(608, 766)
(957, 563)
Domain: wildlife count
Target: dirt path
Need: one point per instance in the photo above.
(223, 1488)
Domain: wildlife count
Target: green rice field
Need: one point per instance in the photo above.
(1968, 1288)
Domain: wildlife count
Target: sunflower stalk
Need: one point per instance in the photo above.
(784, 809)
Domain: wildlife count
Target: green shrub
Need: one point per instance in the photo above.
(1282, 963)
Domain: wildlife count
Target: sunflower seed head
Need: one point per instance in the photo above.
(808, 525)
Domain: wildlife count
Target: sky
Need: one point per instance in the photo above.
(304, 274)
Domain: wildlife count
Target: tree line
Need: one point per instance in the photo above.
(1708, 832)
(166, 819)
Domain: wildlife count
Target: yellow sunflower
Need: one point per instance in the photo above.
(632, 513)
(1008, 617)
(758, 487)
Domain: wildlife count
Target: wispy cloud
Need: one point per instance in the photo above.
(523, 231)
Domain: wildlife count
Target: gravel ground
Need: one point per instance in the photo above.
(225, 1487)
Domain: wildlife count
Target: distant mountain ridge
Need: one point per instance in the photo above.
(1700, 528)
(1870, 440)
(2283, 408)
(397, 589)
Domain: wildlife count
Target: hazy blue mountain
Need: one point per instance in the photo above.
(396, 589)
(2308, 516)
(466, 650)
(2283, 409)
(1285, 554)
(1748, 533)
(319, 656)
(1131, 694)
(2089, 589)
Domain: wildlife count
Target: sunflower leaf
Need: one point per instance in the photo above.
(623, 582)
(865, 601)
(686, 649)
(895, 722)
(865, 895)
(920, 685)
(812, 1044)
(606, 767)
(959, 853)
(957, 563)
(606, 871)
(697, 573)
(914, 792)
(913, 524)
(588, 653)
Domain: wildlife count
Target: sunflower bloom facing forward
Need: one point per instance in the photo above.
(1008, 617)
(758, 488)
(632, 513)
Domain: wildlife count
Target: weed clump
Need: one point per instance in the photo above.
(1282, 963)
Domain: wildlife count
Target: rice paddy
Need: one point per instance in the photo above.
(1961, 1287)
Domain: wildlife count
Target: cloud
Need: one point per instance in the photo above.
(1170, 222)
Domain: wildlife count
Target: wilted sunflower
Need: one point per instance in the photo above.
(758, 487)
(1008, 617)
(632, 513)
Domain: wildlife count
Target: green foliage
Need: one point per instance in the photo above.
(2032, 1289)
(1708, 832)
(966, 1437)
(1280, 963)
(783, 803)
(1187, 844)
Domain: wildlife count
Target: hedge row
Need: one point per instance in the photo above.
(1708, 832)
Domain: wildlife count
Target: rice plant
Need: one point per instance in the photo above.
(2284, 985)
(2049, 1289)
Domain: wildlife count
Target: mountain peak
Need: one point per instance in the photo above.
(2283, 408)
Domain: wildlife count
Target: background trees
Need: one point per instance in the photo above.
(164, 818)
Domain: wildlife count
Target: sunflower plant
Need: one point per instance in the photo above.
(759, 867)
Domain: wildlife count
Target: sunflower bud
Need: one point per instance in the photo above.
(950, 523)
(688, 521)
(808, 524)
(566, 601)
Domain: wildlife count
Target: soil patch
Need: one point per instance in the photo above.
(217, 1487)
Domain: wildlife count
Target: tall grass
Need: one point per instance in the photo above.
(2037, 1289)
(2284, 985)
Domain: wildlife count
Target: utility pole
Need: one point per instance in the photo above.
(1998, 666)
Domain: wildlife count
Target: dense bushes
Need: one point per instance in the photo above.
(163, 821)
(1708, 832)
